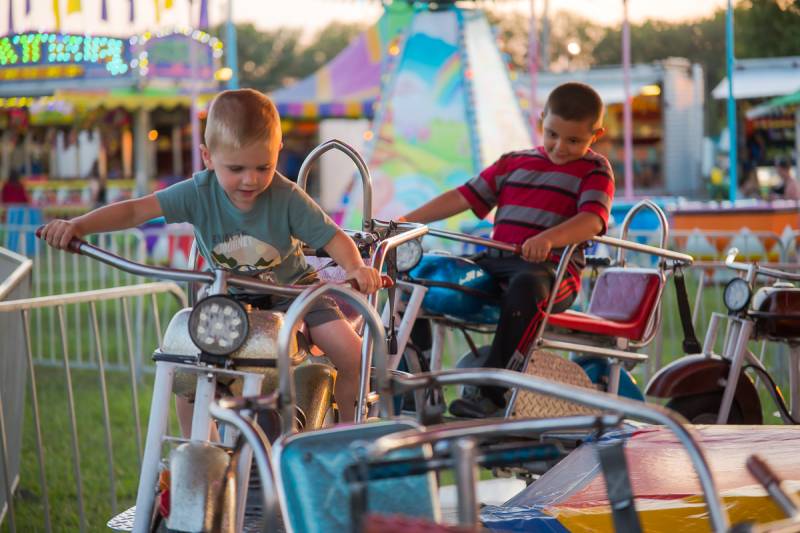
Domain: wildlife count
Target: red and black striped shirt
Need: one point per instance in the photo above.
(533, 194)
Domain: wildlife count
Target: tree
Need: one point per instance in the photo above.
(565, 27)
(268, 60)
(325, 45)
(767, 28)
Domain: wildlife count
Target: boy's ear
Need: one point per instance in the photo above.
(599, 132)
(206, 155)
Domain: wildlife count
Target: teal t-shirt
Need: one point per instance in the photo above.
(265, 241)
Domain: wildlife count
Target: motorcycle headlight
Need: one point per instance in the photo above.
(736, 295)
(218, 325)
(409, 255)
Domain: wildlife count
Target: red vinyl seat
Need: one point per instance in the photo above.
(622, 303)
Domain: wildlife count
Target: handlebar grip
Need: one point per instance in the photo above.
(761, 471)
(386, 283)
(787, 501)
(74, 245)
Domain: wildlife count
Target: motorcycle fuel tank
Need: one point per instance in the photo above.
(458, 288)
(776, 310)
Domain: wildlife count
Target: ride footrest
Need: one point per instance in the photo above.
(124, 522)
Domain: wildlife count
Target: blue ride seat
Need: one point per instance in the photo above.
(22, 222)
(314, 495)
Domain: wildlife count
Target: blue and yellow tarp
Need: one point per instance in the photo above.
(572, 496)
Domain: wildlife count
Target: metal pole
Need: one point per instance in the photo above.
(797, 142)
(230, 47)
(729, 56)
(544, 48)
(194, 121)
(533, 66)
(627, 112)
(466, 473)
(653, 414)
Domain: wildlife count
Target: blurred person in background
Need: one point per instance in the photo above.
(13, 191)
(788, 189)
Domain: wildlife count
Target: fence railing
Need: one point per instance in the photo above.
(124, 346)
(15, 276)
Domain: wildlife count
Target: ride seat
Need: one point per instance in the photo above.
(622, 304)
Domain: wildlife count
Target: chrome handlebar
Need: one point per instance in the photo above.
(754, 269)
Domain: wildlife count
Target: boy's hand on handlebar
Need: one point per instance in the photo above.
(59, 233)
(367, 278)
(536, 249)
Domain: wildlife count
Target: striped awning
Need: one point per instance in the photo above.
(312, 110)
(349, 85)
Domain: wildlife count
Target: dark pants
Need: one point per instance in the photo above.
(526, 288)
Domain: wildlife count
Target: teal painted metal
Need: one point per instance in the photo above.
(313, 489)
(230, 48)
(729, 59)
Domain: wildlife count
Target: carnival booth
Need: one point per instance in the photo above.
(91, 119)
(768, 134)
(767, 129)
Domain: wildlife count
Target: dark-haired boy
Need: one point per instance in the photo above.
(547, 197)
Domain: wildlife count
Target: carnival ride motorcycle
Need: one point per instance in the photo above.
(713, 388)
(218, 340)
(447, 291)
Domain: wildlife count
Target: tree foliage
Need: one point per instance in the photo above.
(762, 28)
(268, 60)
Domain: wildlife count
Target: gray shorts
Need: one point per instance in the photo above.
(323, 310)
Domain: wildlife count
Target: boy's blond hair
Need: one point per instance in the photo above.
(239, 118)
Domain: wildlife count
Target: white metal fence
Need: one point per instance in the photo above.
(15, 271)
(59, 305)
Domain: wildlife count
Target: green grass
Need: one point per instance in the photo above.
(58, 456)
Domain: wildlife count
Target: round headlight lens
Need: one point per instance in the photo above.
(409, 255)
(736, 295)
(218, 325)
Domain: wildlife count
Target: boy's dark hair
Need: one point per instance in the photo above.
(575, 101)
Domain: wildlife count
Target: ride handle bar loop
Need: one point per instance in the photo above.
(80, 246)
(732, 263)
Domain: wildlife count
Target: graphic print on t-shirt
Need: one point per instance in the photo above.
(247, 255)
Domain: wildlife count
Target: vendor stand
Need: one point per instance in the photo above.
(89, 119)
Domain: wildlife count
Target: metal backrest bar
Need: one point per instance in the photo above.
(361, 165)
